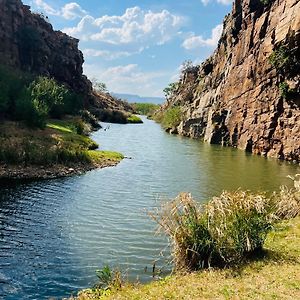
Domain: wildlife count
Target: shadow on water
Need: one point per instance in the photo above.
(55, 234)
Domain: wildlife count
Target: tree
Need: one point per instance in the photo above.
(170, 90)
(98, 86)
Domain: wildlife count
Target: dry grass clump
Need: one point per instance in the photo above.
(226, 229)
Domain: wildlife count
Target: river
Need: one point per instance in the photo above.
(54, 234)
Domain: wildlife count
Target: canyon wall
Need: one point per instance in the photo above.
(246, 94)
(28, 42)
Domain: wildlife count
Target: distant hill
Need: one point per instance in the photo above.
(136, 98)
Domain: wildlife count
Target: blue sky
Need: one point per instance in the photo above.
(137, 47)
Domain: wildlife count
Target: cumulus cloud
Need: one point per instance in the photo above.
(135, 26)
(194, 42)
(128, 79)
(225, 2)
(40, 4)
(72, 11)
(69, 11)
(108, 55)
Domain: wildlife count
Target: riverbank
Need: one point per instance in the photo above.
(276, 275)
(59, 150)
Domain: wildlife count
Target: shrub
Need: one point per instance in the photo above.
(133, 119)
(280, 58)
(266, 2)
(12, 82)
(171, 117)
(226, 229)
(89, 118)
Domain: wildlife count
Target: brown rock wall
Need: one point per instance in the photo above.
(237, 100)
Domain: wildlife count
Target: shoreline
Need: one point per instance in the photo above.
(13, 173)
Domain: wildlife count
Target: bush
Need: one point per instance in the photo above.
(133, 119)
(266, 2)
(89, 118)
(171, 117)
(223, 231)
(12, 83)
(280, 58)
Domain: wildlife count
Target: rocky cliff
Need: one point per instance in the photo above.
(28, 42)
(247, 94)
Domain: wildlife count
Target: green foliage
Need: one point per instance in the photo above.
(226, 229)
(280, 58)
(171, 117)
(284, 89)
(266, 2)
(108, 280)
(89, 118)
(12, 83)
(33, 100)
(98, 86)
(146, 109)
(40, 100)
(133, 119)
(170, 90)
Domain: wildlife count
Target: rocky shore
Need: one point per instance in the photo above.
(21, 172)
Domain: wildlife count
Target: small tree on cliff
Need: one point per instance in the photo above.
(170, 90)
(98, 86)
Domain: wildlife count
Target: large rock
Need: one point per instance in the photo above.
(29, 42)
(234, 98)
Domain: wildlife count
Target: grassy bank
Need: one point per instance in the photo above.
(238, 245)
(275, 275)
(58, 144)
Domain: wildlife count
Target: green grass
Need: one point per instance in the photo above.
(133, 119)
(59, 127)
(274, 275)
(98, 156)
(59, 143)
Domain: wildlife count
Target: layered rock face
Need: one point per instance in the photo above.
(238, 97)
(28, 42)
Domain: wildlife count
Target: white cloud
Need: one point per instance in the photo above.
(129, 79)
(194, 42)
(225, 2)
(135, 26)
(46, 7)
(108, 55)
(70, 11)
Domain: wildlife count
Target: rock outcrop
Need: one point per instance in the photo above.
(247, 94)
(28, 42)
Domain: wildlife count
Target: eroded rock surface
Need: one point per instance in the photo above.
(236, 97)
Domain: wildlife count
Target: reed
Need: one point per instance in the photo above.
(224, 231)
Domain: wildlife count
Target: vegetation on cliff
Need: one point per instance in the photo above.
(146, 109)
(169, 118)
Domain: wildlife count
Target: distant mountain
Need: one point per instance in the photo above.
(136, 98)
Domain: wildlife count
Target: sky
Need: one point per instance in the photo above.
(137, 47)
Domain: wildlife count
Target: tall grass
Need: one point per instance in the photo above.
(226, 229)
